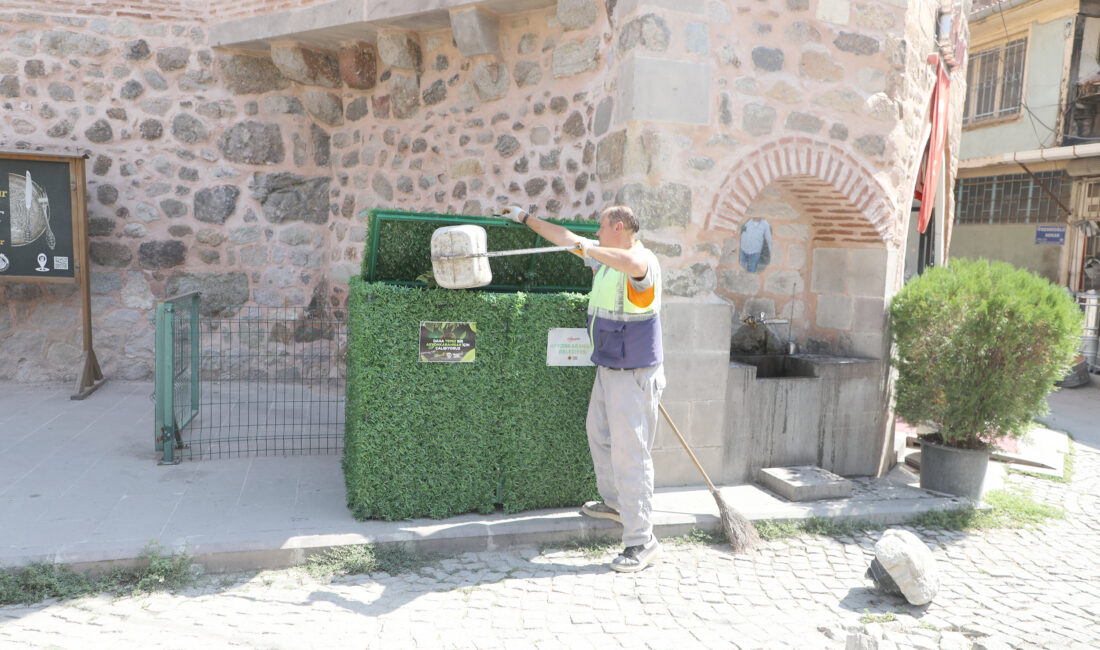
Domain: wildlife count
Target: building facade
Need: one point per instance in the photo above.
(234, 147)
(1027, 189)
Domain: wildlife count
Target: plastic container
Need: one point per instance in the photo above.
(459, 242)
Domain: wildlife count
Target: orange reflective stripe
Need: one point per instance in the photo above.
(640, 298)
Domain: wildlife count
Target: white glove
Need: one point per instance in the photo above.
(515, 213)
(583, 245)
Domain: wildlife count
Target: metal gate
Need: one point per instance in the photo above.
(247, 381)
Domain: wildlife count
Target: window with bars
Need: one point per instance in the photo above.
(995, 82)
(1012, 198)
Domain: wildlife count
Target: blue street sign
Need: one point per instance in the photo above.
(1050, 235)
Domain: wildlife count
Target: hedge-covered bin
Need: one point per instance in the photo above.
(403, 255)
(441, 439)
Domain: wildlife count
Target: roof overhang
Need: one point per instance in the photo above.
(327, 25)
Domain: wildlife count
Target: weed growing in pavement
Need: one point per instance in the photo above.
(359, 559)
(590, 547)
(37, 582)
(697, 537)
(594, 547)
(1009, 508)
(163, 573)
(773, 529)
(886, 617)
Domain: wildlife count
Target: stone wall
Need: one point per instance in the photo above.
(246, 174)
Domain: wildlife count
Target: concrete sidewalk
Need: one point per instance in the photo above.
(80, 484)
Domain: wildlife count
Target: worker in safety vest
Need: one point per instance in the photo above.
(624, 326)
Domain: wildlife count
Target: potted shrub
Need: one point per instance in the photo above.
(978, 347)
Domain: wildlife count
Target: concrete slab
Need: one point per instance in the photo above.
(804, 483)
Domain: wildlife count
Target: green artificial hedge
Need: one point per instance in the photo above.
(441, 439)
(404, 252)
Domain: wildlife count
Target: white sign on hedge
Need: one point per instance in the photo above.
(568, 346)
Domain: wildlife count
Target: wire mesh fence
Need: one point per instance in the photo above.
(248, 381)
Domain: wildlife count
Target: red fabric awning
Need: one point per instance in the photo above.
(933, 154)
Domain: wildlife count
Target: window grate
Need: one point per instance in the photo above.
(1012, 198)
(995, 82)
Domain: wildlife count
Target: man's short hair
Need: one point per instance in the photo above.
(624, 215)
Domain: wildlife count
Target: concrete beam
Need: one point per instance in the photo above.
(326, 25)
(475, 31)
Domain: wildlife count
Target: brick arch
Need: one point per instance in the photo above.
(824, 174)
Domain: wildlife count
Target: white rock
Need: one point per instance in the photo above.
(911, 565)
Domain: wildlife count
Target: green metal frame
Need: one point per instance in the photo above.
(236, 380)
(169, 370)
(377, 216)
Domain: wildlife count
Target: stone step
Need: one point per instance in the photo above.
(804, 483)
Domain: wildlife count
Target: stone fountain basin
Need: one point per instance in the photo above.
(778, 366)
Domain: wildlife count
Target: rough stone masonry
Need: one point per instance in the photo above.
(246, 173)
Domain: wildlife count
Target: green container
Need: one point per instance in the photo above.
(442, 439)
(398, 251)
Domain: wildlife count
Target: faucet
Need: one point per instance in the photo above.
(754, 320)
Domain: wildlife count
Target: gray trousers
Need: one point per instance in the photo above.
(622, 424)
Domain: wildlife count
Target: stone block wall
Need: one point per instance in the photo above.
(247, 176)
(246, 173)
(834, 420)
(696, 368)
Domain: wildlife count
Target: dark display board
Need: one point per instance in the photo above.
(44, 235)
(36, 219)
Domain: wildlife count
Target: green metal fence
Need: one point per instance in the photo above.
(247, 381)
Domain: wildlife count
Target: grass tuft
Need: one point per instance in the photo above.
(698, 537)
(771, 529)
(363, 559)
(885, 617)
(40, 581)
(1009, 508)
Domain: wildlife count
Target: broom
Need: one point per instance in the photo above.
(740, 532)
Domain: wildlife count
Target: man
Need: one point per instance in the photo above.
(625, 329)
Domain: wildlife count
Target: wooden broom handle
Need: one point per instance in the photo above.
(686, 447)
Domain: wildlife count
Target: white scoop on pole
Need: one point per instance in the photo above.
(460, 259)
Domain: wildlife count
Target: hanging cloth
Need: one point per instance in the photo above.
(933, 154)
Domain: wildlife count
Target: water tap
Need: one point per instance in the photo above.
(761, 319)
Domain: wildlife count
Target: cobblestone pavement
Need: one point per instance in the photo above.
(999, 589)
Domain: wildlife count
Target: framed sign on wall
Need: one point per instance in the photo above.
(44, 235)
(37, 220)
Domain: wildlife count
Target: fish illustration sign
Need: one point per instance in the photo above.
(36, 219)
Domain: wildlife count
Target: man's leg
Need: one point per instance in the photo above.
(630, 403)
(599, 442)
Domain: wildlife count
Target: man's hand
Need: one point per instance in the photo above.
(515, 213)
(583, 245)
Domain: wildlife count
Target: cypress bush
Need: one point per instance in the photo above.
(979, 345)
(441, 439)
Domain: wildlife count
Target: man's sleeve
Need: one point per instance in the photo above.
(647, 280)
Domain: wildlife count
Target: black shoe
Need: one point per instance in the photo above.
(636, 558)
